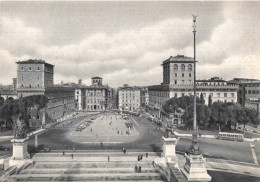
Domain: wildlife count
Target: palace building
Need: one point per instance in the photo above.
(36, 77)
(178, 77)
(96, 97)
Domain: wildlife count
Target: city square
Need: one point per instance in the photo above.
(129, 91)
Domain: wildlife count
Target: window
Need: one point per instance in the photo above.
(182, 67)
(38, 68)
(175, 95)
(30, 68)
(189, 67)
(189, 74)
(175, 74)
(175, 67)
(182, 94)
(38, 78)
(225, 94)
(232, 94)
(182, 81)
(257, 92)
(175, 82)
(22, 85)
(21, 68)
(249, 91)
(190, 81)
(253, 91)
(245, 91)
(30, 86)
(182, 74)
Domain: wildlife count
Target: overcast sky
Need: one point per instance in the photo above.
(126, 42)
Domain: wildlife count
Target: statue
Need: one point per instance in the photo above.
(169, 132)
(20, 128)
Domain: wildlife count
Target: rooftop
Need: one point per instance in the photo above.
(33, 61)
(96, 77)
(179, 59)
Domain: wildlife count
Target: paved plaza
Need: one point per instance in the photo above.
(106, 128)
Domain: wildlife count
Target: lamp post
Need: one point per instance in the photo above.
(194, 148)
(194, 168)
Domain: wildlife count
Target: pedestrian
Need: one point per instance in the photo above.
(136, 168)
(63, 153)
(72, 155)
(146, 154)
(140, 169)
(91, 129)
(124, 150)
(108, 158)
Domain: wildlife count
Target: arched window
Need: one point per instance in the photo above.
(190, 67)
(182, 67)
(175, 67)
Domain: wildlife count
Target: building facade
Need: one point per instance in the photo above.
(36, 77)
(129, 99)
(96, 97)
(178, 79)
(33, 76)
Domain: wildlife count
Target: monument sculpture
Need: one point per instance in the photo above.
(20, 141)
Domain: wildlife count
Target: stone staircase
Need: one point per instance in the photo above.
(89, 166)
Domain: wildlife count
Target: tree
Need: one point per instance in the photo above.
(21, 107)
(202, 100)
(210, 101)
(203, 114)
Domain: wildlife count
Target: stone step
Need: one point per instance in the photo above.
(86, 177)
(98, 154)
(127, 164)
(68, 158)
(85, 170)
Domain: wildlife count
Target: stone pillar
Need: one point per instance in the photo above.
(194, 168)
(36, 141)
(20, 151)
(169, 145)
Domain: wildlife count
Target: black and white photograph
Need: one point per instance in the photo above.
(136, 91)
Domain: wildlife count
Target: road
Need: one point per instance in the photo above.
(149, 140)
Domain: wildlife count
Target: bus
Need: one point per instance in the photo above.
(231, 136)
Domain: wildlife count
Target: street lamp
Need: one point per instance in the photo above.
(194, 168)
(194, 148)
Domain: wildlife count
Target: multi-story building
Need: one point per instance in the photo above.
(96, 97)
(33, 76)
(242, 83)
(144, 96)
(252, 96)
(178, 76)
(129, 99)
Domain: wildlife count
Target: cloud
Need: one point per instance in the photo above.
(226, 47)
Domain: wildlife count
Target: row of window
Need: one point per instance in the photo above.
(31, 78)
(182, 67)
(251, 91)
(176, 75)
(182, 82)
(30, 68)
(30, 86)
(94, 100)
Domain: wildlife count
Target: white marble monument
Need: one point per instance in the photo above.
(20, 152)
(194, 168)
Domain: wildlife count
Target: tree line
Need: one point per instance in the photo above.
(12, 108)
(221, 114)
